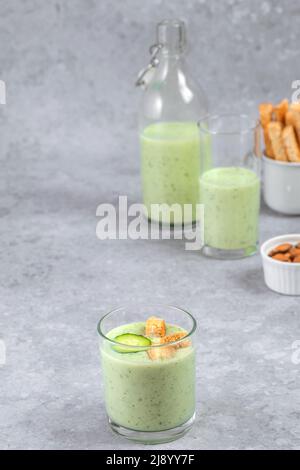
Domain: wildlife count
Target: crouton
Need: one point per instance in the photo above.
(155, 327)
(176, 337)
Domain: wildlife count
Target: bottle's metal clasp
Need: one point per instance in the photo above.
(154, 61)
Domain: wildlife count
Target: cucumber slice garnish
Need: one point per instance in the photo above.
(131, 340)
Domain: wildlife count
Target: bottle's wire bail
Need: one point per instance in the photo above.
(154, 62)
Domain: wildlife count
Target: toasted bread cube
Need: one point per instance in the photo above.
(155, 327)
(162, 352)
(176, 337)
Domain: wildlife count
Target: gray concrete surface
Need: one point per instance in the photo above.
(69, 142)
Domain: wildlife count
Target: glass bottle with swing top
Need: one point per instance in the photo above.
(169, 136)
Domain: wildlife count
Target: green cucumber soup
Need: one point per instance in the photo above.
(170, 155)
(148, 395)
(231, 198)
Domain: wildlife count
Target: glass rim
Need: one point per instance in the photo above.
(254, 127)
(152, 346)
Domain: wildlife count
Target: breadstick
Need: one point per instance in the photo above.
(293, 119)
(297, 123)
(291, 144)
(295, 106)
(266, 112)
(289, 118)
(257, 142)
(275, 135)
(280, 111)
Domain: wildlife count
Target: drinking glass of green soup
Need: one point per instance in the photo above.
(148, 371)
(230, 185)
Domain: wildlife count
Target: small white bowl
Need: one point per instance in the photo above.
(281, 186)
(281, 277)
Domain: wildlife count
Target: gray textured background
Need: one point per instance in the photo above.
(69, 142)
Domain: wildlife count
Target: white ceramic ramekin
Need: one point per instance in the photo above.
(281, 186)
(283, 278)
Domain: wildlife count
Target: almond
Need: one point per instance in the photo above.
(286, 257)
(295, 252)
(284, 248)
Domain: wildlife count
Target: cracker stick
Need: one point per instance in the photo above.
(295, 106)
(291, 144)
(266, 112)
(275, 135)
(293, 119)
(268, 145)
(289, 118)
(257, 142)
(280, 111)
(297, 124)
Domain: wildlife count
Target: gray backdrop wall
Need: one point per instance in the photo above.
(70, 65)
(68, 141)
